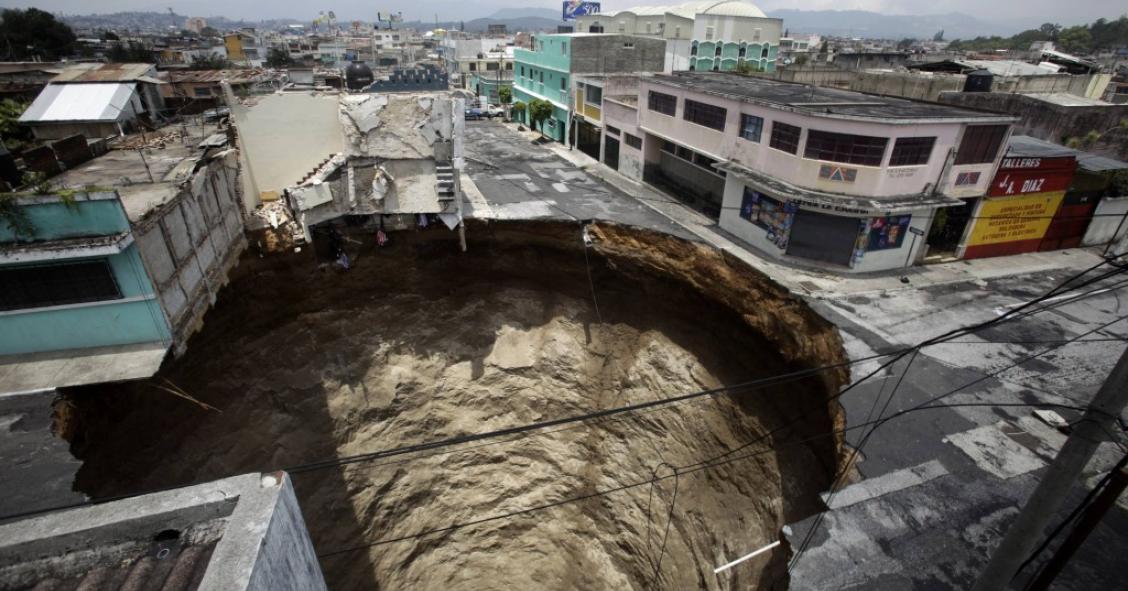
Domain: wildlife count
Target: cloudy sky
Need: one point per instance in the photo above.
(1001, 11)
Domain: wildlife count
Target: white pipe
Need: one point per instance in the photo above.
(746, 557)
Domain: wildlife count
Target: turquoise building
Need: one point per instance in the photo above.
(546, 71)
(73, 277)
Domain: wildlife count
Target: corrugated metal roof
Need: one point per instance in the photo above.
(106, 73)
(80, 102)
(1023, 145)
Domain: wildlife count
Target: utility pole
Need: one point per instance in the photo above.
(1085, 525)
(1043, 504)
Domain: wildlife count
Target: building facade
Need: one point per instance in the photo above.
(806, 174)
(725, 35)
(546, 72)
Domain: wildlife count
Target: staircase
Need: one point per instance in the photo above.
(445, 173)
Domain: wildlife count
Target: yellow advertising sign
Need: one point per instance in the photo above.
(1010, 219)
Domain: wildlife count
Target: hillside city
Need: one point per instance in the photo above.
(686, 296)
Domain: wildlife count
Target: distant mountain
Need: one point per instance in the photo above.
(874, 25)
(513, 13)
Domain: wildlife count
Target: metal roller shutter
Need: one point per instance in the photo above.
(822, 237)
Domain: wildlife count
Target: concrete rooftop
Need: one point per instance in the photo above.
(823, 102)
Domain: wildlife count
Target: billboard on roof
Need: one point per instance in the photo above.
(574, 8)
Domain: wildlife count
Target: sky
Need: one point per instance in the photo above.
(1000, 11)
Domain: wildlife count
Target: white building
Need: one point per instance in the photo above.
(704, 36)
(835, 178)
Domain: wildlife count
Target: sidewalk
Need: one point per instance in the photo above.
(824, 284)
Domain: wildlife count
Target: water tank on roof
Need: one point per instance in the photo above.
(979, 81)
(358, 76)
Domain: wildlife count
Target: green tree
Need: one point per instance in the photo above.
(504, 96)
(905, 44)
(1050, 30)
(519, 110)
(1076, 39)
(209, 61)
(16, 137)
(34, 33)
(133, 52)
(278, 57)
(939, 36)
(539, 111)
(209, 32)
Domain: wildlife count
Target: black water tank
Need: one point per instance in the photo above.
(979, 81)
(358, 76)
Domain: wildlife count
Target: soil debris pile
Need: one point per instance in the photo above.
(419, 342)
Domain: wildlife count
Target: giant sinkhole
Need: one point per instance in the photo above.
(419, 341)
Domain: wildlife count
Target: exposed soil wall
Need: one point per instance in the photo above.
(419, 342)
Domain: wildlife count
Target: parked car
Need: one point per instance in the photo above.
(494, 111)
(474, 114)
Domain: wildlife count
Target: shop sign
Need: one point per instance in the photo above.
(770, 214)
(1018, 219)
(1024, 176)
(888, 232)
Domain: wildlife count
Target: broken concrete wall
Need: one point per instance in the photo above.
(190, 244)
(283, 137)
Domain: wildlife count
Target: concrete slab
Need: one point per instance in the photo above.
(885, 484)
(45, 371)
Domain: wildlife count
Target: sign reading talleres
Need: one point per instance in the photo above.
(1019, 206)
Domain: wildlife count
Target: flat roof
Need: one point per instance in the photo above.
(1024, 145)
(823, 102)
(1067, 100)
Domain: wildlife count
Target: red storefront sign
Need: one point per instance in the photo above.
(1021, 176)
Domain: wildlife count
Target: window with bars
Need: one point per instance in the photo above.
(980, 144)
(911, 151)
(751, 127)
(846, 148)
(785, 137)
(666, 104)
(56, 285)
(633, 141)
(705, 114)
(612, 130)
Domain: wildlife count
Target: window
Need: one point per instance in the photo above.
(491, 67)
(563, 84)
(965, 179)
(612, 130)
(509, 66)
(911, 151)
(785, 137)
(628, 46)
(593, 95)
(980, 144)
(705, 114)
(704, 162)
(647, 28)
(755, 34)
(842, 147)
(622, 26)
(201, 91)
(633, 141)
(57, 285)
(473, 67)
(563, 49)
(750, 127)
(717, 52)
(542, 77)
(693, 50)
(666, 104)
(522, 71)
(677, 31)
(709, 32)
(668, 146)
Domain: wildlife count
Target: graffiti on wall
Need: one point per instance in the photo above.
(770, 214)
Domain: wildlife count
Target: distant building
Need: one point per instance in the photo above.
(546, 72)
(703, 36)
(802, 173)
(244, 533)
(192, 91)
(498, 29)
(245, 47)
(195, 24)
(95, 100)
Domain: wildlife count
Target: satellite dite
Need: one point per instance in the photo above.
(574, 8)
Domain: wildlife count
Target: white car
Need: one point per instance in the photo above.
(494, 111)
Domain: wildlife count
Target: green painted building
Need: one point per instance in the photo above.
(546, 71)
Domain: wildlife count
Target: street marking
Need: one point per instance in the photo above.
(994, 452)
(512, 177)
(560, 187)
(871, 488)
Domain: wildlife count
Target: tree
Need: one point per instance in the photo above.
(905, 44)
(939, 36)
(15, 136)
(130, 53)
(278, 57)
(539, 111)
(209, 61)
(504, 95)
(209, 32)
(33, 33)
(1050, 30)
(1076, 39)
(519, 109)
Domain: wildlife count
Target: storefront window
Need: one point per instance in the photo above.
(888, 232)
(770, 214)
